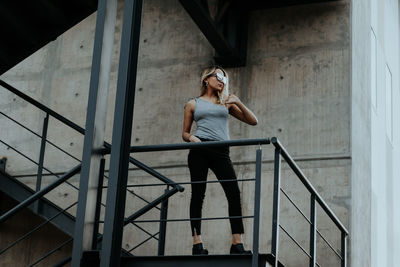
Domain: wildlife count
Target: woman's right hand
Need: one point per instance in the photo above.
(194, 139)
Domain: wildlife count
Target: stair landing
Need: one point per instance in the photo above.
(197, 261)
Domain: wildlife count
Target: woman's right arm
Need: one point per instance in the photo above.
(188, 121)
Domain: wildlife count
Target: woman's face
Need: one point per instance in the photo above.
(215, 82)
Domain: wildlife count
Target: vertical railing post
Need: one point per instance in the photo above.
(163, 225)
(98, 205)
(344, 250)
(276, 204)
(313, 232)
(257, 207)
(41, 158)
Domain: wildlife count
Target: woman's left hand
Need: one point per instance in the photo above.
(232, 99)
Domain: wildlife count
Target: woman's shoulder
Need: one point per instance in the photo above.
(191, 103)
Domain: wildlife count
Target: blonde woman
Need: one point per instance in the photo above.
(211, 111)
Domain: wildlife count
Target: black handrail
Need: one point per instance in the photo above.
(40, 193)
(148, 207)
(42, 107)
(307, 184)
(182, 146)
(76, 127)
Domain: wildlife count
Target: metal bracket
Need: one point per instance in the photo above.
(227, 32)
(3, 162)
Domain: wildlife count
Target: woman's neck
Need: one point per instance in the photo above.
(210, 94)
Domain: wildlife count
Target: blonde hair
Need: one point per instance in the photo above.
(203, 86)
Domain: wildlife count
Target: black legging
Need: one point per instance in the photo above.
(218, 160)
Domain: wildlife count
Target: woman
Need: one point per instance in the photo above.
(211, 111)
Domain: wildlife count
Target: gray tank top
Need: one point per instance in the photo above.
(211, 120)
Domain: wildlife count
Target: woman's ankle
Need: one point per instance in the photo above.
(197, 239)
(236, 239)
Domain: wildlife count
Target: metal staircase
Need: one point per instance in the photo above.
(65, 221)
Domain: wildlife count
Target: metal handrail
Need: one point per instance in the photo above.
(42, 107)
(296, 207)
(51, 252)
(196, 182)
(295, 241)
(40, 193)
(62, 119)
(329, 245)
(208, 144)
(38, 135)
(34, 162)
(195, 219)
(79, 129)
(307, 184)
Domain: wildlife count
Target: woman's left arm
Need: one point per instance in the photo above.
(238, 110)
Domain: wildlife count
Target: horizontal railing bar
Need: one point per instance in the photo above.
(196, 182)
(194, 219)
(36, 228)
(141, 243)
(145, 231)
(294, 240)
(298, 209)
(150, 206)
(181, 146)
(23, 155)
(40, 193)
(307, 184)
(51, 252)
(34, 162)
(329, 244)
(141, 198)
(42, 107)
(154, 173)
(38, 135)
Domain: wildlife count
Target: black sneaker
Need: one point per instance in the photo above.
(199, 250)
(239, 249)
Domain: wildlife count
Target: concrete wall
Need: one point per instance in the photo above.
(361, 137)
(297, 81)
(35, 246)
(385, 122)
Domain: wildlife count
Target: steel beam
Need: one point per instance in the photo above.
(121, 137)
(227, 34)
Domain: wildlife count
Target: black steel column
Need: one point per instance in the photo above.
(163, 225)
(313, 232)
(257, 208)
(276, 204)
(98, 204)
(121, 138)
(94, 129)
(41, 158)
(344, 249)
